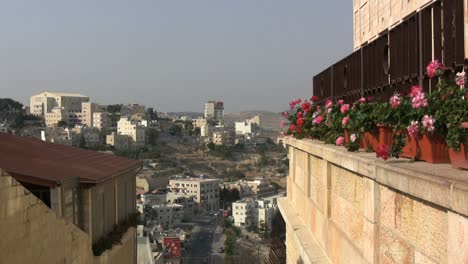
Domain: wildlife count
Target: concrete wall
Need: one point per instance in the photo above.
(32, 233)
(347, 207)
(371, 17)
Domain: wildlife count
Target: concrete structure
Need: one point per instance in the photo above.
(258, 213)
(132, 128)
(344, 207)
(60, 200)
(87, 113)
(199, 122)
(204, 191)
(43, 103)
(372, 17)
(168, 215)
(248, 126)
(241, 212)
(119, 141)
(206, 131)
(90, 137)
(214, 110)
(101, 120)
(58, 135)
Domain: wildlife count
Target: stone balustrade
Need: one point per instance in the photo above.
(344, 207)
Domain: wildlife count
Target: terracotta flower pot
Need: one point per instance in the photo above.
(410, 150)
(459, 159)
(346, 137)
(433, 149)
(380, 136)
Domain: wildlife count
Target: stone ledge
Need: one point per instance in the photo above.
(439, 184)
(304, 240)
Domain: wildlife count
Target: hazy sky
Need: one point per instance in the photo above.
(172, 54)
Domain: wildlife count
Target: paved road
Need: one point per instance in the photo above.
(204, 243)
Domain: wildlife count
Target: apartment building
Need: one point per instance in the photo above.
(258, 213)
(101, 120)
(214, 110)
(167, 215)
(132, 128)
(205, 192)
(199, 122)
(88, 190)
(88, 137)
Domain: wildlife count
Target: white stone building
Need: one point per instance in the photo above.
(205, 192)
(258, 213)
(132, 128)
(214, 110)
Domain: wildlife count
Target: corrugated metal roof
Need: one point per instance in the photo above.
(55, 162)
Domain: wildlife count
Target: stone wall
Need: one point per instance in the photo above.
(32, 233)
(347, 207)
(371, 17)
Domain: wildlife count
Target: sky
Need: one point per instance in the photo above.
(174, 54)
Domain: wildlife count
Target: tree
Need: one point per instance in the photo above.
(116, 108)
(152, 136)
(175, 130)
(197, 131)
(81, 141)
(62, 123)
(151, 114)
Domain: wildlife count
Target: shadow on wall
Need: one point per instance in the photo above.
(300, 261)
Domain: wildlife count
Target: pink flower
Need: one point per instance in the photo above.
(413, 128)
(415, 90)
(293, 103)
(299, 114)
(339, 141)
(395, 100)
(314, 98)
(428, 123)
(434, 68)
(419, 101)
(283, 123)
(383, 151)
(353, 137)
(340, 102)
(460, 78)
(345, 120)
(344, 108)
(328, 104)
(362, 100)
(318, 120)
(285, 114)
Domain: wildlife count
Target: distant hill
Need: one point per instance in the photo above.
(269, 120)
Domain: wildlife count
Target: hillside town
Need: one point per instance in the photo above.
(215, 176)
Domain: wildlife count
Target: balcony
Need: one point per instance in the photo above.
(347, 207)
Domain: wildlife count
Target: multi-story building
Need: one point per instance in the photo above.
(87, 111)
(214, 110)
(167, 215)
(248, 126)
(119, 141)
(258, 213)
(101, 120)
(43, 103)
(132, 128)
(78, 195)
(58, 135)
(199, 122)
(204, 191)
(241, 212)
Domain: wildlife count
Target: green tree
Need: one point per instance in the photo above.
(151, 114)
